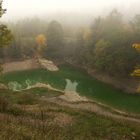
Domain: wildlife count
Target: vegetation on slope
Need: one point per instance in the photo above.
(43, 120)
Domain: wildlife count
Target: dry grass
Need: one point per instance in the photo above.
(45, 120)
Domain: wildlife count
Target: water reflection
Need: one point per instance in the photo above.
(71, 86)
(15, 86)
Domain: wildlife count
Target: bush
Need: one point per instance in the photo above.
(27, 98)
(14, 110)
(4, 104)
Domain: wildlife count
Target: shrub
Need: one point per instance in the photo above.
(26, 98)
(4, 104)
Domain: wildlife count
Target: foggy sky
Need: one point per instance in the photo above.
(27, 8)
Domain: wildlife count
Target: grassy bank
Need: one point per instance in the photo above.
(36, 119)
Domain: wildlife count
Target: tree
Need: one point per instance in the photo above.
(136, 72)
(41, 41)
(5, 36)
(55, 39)
(135, 25)
(103, 55)
(5, 33)
(107, 45)
(2, 11)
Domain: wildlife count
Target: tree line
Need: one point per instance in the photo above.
(105, 45)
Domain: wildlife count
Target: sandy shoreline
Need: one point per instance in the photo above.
(28, 65)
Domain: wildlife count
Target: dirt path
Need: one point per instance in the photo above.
(98, 109)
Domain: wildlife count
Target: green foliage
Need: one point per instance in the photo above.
(5, 34)
(24, 44)
(14, 110)
(109, 48)
(2, 11)
(4, 104)
(26, 98)
(55, 39)
(44, 92)
(103, 54)
(81, 45)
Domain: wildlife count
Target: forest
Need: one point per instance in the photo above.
(105, 44)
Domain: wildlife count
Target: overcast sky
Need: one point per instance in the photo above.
(27, 8)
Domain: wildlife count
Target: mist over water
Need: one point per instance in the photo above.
(27, 84)
(16, 86)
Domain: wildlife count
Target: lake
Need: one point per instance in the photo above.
(70, 78)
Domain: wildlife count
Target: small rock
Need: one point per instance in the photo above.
(49, 65)
(2, 86)
(133, 133)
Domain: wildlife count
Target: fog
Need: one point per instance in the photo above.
(67, 10)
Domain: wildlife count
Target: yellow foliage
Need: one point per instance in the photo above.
(136, 46)
(136, 72)
(138, 89)
(87, 34)
(41, 40)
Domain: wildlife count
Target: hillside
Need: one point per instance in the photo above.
(29, 115)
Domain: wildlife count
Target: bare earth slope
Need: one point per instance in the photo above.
(29, 64)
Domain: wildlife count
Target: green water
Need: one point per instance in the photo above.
(87, 86)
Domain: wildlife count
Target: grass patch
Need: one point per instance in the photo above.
(22, 119)
(85, 126)
(44, 92)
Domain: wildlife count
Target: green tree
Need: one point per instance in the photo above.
(5, 34)
(135, 25)
(103, 55)
(108, 48)
(55, 39)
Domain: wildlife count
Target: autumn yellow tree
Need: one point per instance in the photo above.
(86, 34)
(41, 41)
(136, 72)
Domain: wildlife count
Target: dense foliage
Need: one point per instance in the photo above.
(109, 48)
(136, 72)
(105, 45)
(5, 34)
